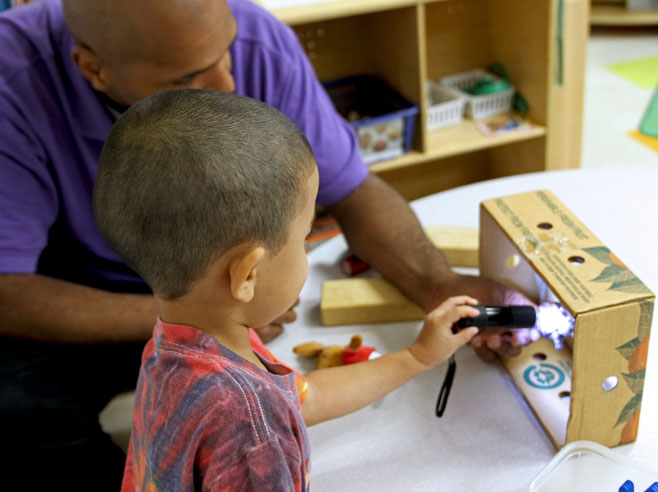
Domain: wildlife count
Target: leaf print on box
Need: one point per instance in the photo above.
(635, 351)
(618, 274)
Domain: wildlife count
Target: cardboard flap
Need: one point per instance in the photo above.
(583, 273)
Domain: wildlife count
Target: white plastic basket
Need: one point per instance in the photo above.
(478, 107)
(446, 106)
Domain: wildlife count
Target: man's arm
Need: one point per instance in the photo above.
(381, 228)
(42, 308)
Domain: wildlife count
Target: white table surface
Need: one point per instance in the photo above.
(487, 439)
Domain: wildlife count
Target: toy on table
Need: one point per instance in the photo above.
(335, 355)
(353, 265)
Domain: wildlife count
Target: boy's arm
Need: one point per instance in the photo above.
(337, 391)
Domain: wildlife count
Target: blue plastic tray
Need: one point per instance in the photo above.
(382, 113)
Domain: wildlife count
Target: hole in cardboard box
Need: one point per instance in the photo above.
(610, 383)
(539, 356)
(545, 225)
(576, 260)
(564, 394)
(512, 261)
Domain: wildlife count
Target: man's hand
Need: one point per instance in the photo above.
(275, 328)
(488, 292)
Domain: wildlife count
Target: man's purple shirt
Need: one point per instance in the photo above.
(53, 125)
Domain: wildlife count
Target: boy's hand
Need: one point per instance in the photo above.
(488, 343)
(436, 341)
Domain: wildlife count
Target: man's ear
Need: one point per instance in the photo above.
(91, 66)
(242, 272)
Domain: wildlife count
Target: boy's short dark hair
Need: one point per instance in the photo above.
(187, 174)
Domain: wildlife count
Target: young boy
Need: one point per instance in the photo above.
(209, 197)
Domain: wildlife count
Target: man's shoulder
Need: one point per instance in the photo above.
(29, 33)
(259, 28)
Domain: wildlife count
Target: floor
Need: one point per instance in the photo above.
(613, 105)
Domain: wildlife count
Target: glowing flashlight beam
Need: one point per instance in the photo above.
(554, 322)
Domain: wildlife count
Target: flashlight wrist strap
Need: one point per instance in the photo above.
(442, 400)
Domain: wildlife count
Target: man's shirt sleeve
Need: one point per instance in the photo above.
(28, 195)
(333, 141)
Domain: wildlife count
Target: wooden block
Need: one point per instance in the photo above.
(365, 300)
(374, 300)
(458, 244)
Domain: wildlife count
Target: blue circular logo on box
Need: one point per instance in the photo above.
(543, 376)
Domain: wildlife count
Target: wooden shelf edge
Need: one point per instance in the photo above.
(617, 15)
(334, 9)
(461, 146)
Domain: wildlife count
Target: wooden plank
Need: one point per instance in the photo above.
(519, 39)
(465, 137)
(458, 244)
(457, 140)
(354, 301)
(523, 157)
(336, 9)
(457, 37)
(615, 15)
(566, 100)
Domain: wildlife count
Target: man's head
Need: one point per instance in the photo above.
(131, 49)
(187, 176)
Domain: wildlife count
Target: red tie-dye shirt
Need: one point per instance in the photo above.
(206, 419)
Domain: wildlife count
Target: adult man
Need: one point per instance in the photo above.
(73, 317)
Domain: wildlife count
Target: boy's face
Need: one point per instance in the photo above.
(281, 277)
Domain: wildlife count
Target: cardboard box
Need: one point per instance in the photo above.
(534, 243)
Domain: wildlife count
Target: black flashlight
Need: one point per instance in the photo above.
(509, 317)
(506, 317)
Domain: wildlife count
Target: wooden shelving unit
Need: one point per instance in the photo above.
(616, 13)
(407, 42)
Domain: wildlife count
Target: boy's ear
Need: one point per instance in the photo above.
(242, 272)
(91, 67)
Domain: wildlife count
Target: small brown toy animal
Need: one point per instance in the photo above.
(335, 355)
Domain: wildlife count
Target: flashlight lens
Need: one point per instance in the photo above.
(554, 322)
